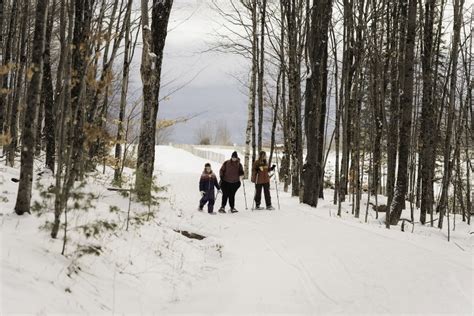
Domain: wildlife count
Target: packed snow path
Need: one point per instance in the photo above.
(301, 260)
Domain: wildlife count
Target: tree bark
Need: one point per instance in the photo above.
(34, 94)
(48, 97)
(250, 131)
(316, 94)
(152, 57)
(396, 49)
(123, 96)
(261, 73)
(447, 164)
(406, 106)
(5, 81)
(428, 116)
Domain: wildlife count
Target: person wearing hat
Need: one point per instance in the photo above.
(207, 182)
(230, 174)
(261, 178)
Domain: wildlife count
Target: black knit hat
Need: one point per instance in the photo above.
(207, 165)
(235, 155)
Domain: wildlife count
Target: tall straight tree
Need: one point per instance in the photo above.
(2, 3)
(395, 53)
(19, 75)
(80, 59)
(447, 163)
(406, 106)
(250, 137)
(295, 27)
(261, 72)
(347, 82)
(5, 81)
(47, 95)
(23, 198)
(316, 94)
(123, 93)
(428, 115)
(152, 58)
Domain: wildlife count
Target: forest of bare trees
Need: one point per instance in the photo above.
(58, 79)
(386, 86)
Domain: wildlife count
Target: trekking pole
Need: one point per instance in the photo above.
(276, 187)
(275, 173)
(245, 194)
(255, 192)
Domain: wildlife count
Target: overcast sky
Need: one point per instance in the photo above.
(214, 92)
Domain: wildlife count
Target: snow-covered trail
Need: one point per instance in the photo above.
(300, 260)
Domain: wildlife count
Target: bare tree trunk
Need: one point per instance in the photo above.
(396, 50)
(275, 117)
(346, 88)
(20, 75)
(152, 58)
(261, 72)
(428, 118)
(80, 59)
(2, 4)
(63, 104)
(377, 88)
(250, 137)
(316, 95)
(123, 95)
(406, 106)
(5, 79)
(294, 98)
(447, 165)
(34, 95)
(47, 95)
(337, 128)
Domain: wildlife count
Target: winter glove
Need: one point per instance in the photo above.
(273, 167)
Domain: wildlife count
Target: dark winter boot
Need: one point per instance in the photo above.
(234, 210)
(200, 208)
(270, 208)
(222, 210)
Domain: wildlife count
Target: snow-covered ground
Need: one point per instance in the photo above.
(296, 260)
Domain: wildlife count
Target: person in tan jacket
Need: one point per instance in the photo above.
(261, 178)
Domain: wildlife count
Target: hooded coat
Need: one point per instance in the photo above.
(208, 182)
(231, 171)
(260, 172)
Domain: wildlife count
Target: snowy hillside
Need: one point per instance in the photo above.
(296, 260)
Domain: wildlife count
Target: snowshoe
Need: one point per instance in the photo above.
(222, 210)
(270, 208)
(258, 208)
(234, 210)
(200, 209)
(212, 213)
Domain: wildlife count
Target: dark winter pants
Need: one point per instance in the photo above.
(228, 192)
(266, 191)
(207, 198)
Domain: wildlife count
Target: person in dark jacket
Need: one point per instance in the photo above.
(207, 182)
(230, 174)
(261, 178)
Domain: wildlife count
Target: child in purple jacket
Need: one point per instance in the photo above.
(207, 183)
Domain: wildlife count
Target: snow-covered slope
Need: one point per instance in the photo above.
(296, 260)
